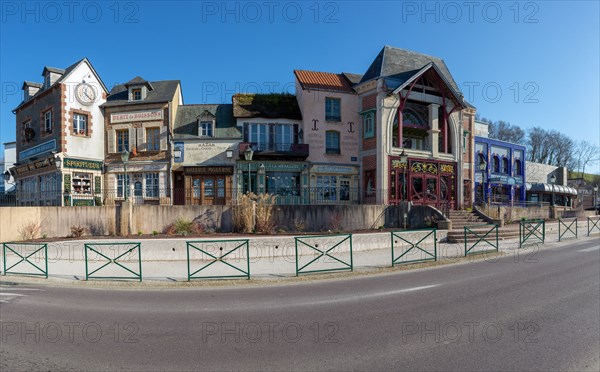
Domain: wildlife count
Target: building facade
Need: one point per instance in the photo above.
(501, 171)
(548, 184)
(60, 138)
(205, 152)
(139, 117)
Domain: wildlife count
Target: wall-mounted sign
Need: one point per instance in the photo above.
(179, 152)
(128, 117)
(37, 150)
(82, 164)
(270, 166)
(67, 183)
(208, 170)
(83, 202)
(334, 169)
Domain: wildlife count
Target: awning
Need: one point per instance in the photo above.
(547, 187)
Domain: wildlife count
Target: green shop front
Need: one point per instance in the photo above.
(289, 181)
(82, 182)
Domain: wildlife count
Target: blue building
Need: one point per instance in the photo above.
(499, 171)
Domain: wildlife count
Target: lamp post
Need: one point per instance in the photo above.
(552, 181)
(125, 159)
(404, 160)
(58, 163)
(248, 153)
(595, 204)
(482, 168)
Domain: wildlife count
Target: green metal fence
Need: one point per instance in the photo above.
(328, 244)
(593, 223)
(127, 248)
(413, 246)
(566, 227)
(481, 236)
(532, 231)
(219, 251)
(20, 250)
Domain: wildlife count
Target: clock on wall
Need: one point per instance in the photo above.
(85, 94)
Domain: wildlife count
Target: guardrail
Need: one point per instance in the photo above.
(532, 229)
(224, 255)
(331, 242)
(481, 237)
(25, 258)
(593, 223)
(567, 227)
(410, 248)
(132, 246)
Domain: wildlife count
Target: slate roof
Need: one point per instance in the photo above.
(400, 64)
(138, 80)
(276, 106)
(325, 81)
(353, 78)
(32, 84)
(186, 122)
(53, 69)
(163, 91)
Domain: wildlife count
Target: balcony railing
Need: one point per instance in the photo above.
(299, 150)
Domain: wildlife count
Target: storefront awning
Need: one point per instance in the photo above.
(546, 187)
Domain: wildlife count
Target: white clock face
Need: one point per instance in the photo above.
(85, 94)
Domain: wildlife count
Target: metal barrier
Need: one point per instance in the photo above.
(324, 252)
(413, 247)
(115, 261)
(480, 238)
(25, 258)
(567, 228)
(595, 225)
(530, 229)
(203, 246)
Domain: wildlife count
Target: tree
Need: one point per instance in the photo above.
(504, 131)
(586, 153)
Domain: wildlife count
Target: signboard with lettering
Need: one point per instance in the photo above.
(37, 150)
(82, 164)
(334, 169)
(128, 117)
(207, 153)
(208, 170)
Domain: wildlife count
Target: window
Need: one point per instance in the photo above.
(27, 133)
(153, 139)
(332, 142)
(465, 139)
(332, 109)
(259, 135)
(136, 94)
(120, 188)
(206, 129)
(505, 165)
(326, 188)
(283, 137)
(122, 140)
(152, 185)
(369, 124)
(518, 167)
(496, 165)
(80, 124)
(48, 121)
(82, 183)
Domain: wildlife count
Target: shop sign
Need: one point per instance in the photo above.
(208, 170)
(334, 169)
(97, 185)
(270, 167)
(67, 183)
(83, 202)
(422, 167)
(37, 150)
(128, 117)
(82, 164)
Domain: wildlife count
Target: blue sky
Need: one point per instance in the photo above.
(530, 63)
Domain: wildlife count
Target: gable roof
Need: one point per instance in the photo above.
(186, 122)
(398, 64)
(138, 80)
(325, 81)
(53, 69)
(281, 106)
(163, 91)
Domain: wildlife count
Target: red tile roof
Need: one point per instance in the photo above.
(323, 80)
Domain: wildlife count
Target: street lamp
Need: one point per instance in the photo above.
(248, 153)
(404, 160)
(552, 181)
(595, 203)
(125, 159)
(229, 153)
(482, 168)
(58, 164)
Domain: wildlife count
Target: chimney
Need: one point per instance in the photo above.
(30, 89)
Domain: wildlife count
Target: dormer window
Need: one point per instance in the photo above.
(47, 80)
(205, 129)
(136, 94)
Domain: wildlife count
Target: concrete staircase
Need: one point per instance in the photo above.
(476, 224)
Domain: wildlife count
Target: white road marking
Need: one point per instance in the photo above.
(5, 294)
(19, 289)
(589, 249)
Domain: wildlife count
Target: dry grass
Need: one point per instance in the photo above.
(30, 230)
(264, 213)
(77, 231)
(243, 214)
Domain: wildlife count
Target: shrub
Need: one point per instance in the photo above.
(243, 214)
(170, 229)
(264, 213)
(183, 226)
(299, 225)
(77, 231)
(30, 230)
(154, 232)
(140, 233)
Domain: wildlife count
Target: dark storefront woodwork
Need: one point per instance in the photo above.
(207, 185)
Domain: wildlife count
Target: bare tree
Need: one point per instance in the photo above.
(587, 154)
(504, 131)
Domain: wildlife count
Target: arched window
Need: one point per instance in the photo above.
(496, 164)
(416, 139)
(505, 165)
(517, 167)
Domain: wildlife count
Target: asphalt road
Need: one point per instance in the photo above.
(528, 312)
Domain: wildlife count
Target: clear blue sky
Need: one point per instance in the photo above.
(539, 61)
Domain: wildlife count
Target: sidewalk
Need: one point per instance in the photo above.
(270, 257)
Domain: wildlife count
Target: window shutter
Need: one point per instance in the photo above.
(131, 139)
(295, 138)
(246, 132)
(163, 138)
(141, 140)
(112, 146)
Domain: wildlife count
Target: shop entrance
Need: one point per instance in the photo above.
(209, 190)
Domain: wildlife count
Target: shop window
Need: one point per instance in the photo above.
(122, 185)
(505, 165)
(369, 124)
(333, 109)
(48, 121)
(152, 185)
(80, 124)
(496, 164)
(332, 142)
(326, 188)
(122, 140)
(82, 183)
(153, 139)
(206, 129)
(283, 183)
